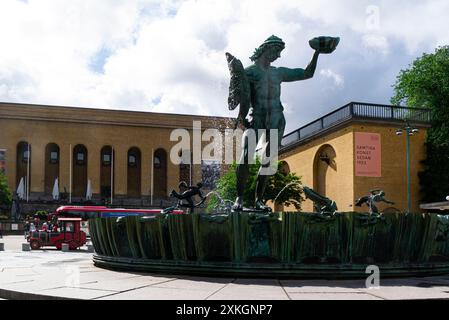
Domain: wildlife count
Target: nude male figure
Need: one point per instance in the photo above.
(267, 111)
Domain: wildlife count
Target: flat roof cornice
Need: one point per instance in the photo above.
(21, 111)
(355, 112)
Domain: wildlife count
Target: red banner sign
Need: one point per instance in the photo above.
(368, 161)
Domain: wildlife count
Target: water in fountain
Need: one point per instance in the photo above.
(285, 187)
(224, 204)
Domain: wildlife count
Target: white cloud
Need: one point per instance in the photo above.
(377, 42)
(337, 78)
(168, 56)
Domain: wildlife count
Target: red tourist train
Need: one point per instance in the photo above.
(68, 228)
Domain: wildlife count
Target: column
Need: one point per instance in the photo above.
(93, 167)
(37, 166)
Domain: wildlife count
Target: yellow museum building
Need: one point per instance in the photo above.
(357, 148)
(127, 150)
(343, 155)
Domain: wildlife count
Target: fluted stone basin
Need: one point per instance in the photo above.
(292, 245)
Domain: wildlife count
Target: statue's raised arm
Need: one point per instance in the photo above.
(324, 45)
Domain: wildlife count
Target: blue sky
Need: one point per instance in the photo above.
(99, 59)
(168, 56)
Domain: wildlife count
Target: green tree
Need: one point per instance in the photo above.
(426, 84)
(5, 193)
(290, 196)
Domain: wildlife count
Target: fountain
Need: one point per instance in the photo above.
(255, 242)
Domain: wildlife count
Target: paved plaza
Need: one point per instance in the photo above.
(52, 274)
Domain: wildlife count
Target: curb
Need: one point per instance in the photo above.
(18, 295)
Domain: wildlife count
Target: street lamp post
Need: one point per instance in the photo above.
(410, 131)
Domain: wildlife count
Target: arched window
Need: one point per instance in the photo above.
(160, 173)
(325, 180)
(157, 162)
(134, 172)
(79, 171)
(107, 169)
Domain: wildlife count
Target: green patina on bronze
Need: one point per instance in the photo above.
(150, 238)
(274, 244)
(257, 90)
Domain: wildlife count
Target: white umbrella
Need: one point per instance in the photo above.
(21, 189)
(89, 190)
(55, 192)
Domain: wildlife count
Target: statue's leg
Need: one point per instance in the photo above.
(281, 128)
(261, 184)
(261, 180)
(277, 122)
(242, 173)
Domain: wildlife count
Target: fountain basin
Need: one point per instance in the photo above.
(285, 244)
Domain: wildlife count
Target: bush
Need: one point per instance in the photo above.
(5, 193)
(290, 196)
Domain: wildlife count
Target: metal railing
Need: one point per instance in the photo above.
(358, 110)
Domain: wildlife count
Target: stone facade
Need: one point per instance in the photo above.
(69, 127)
(325, 159)
(338, 180)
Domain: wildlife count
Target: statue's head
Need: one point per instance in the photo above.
(271, 47)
